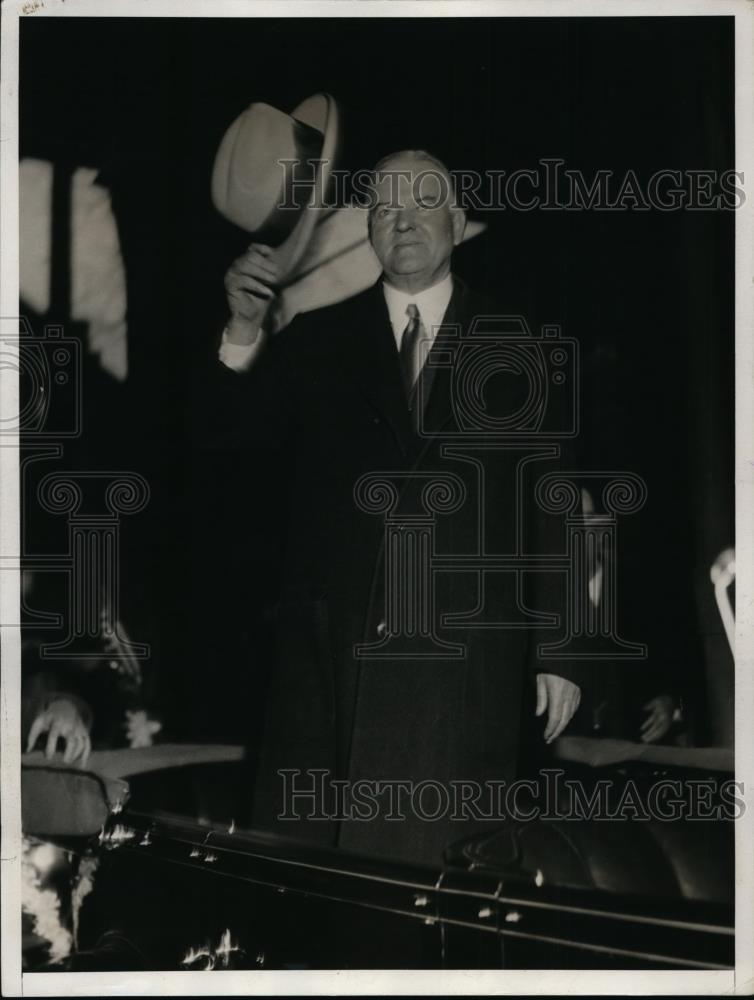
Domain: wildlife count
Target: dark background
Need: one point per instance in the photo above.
(648, 294)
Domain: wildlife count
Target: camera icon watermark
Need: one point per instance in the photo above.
(46, 413)
(540, 374)
(49, 381)
(500, 406)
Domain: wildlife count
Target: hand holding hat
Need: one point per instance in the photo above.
(269, 178)
(304, 256)
(250, 284)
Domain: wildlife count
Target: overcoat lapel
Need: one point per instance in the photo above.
(376, 366)
(435, 393)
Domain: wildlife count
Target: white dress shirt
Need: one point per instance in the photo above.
(239, 357)
(432, 304)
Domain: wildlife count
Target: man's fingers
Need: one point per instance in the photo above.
(255, 287)
(252, 267)
(261, 248)
(255, 266)
(541, 695)
(561, 698)
(52, 739)
(255, 273)
(652, 734)
(655, 726)
(660, 726)
(559, 727)
(650, 721)
(37, 728)
(562, 719)
(563, 708)
(555, 719)
(555, 708)
(72, 747)
(571, 707)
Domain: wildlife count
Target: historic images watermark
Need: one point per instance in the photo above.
(313, 794)
(550, 185)
(526, 426)
(50, 414)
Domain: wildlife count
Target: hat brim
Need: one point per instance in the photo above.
(320, 111)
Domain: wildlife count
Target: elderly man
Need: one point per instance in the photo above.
(335, 395)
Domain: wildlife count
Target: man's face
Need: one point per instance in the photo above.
(412, 227)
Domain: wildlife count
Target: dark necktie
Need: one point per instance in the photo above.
(411, 348)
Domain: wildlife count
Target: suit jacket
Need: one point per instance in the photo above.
(327, 398)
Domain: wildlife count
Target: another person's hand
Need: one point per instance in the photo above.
(62, 720)
(559, 698)
(659, 720)
(250, 285)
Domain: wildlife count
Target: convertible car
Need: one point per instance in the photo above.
(158, 872)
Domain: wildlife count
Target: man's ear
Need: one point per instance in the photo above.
(458, 222)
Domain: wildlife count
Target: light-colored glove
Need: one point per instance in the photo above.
(559, 698)
(61, 719)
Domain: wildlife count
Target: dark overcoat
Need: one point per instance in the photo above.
(325, 406)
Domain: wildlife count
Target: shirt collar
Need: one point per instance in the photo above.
(432, 304)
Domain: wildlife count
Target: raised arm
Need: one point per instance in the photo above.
(247, 398)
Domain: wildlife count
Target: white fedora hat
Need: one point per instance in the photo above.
(264, 162)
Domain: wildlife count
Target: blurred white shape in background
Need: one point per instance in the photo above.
(98, 277)
(40, 901)
(595, 580)
(141, 728)
(722, 574)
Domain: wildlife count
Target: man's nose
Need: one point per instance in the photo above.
(406, 219)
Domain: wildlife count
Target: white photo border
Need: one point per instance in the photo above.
(401, 982)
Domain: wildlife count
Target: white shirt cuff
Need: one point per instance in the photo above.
(238, 357)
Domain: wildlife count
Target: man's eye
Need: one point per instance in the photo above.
(382, 213)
